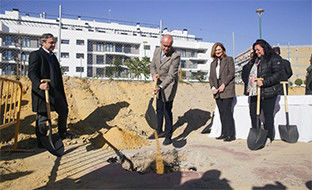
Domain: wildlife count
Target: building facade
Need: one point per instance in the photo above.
(91, 49)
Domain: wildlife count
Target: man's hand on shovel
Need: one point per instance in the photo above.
(156, 89)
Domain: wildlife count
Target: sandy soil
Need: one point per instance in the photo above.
(112, 149)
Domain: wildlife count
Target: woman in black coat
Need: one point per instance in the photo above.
(267, 65)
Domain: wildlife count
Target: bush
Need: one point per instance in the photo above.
(298, 82)
(290, 83)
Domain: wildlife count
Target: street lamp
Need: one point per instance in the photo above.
(259, 12)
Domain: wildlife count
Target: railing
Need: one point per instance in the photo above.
(10, 101)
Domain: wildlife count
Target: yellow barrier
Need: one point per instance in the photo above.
(10, 101)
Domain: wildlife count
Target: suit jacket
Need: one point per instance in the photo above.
(245, 76)
(227, 76)
(287, 71)
(168, 72)
(40, 68)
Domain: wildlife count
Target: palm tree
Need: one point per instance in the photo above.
(138, 67)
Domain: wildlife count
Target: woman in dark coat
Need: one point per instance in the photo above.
(221, 78)
(267, 65)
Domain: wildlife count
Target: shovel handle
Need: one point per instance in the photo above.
(285, 96)
(258, 96)
(155, 82)
(47, 98)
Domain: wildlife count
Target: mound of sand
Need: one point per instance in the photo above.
(117, 138)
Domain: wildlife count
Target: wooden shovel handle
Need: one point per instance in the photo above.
(47, 98)
(155, 82)
(285, 97)
(258, 96)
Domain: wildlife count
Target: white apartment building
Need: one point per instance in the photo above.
(88, 48)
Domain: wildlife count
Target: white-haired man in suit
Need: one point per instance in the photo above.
(165, 64)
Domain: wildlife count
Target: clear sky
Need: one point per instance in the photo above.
(283, 21)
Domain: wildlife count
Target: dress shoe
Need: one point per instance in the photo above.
(167, 141)
(67, 135)
(160, 135)
(221, 137)
(229, 139)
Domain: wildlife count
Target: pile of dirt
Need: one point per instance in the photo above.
(117, 138)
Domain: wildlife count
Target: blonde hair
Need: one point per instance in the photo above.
(213, 50)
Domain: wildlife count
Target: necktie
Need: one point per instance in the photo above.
(162, 57)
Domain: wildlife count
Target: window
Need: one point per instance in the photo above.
(192, 53)
(99, 47)
(183, 53)
(79, 55)
(147, 47)
(90, 59)
(99, 59)
(65, 69)
(118, 48)
(100, 72)
(80, 42)
(7, 40)
(38, 43)
(109, 47)
(26, 42)
(182, 64)
(109, 59)
(7, 55)
(64, 41)
(25, 57)
(79, 69)
(64, 55)
(127, 48)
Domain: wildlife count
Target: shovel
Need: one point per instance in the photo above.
(150, 114)
(288, 133)
(257, 136)
(151, 118)
(53, 143)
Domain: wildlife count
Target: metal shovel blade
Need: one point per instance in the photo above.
(150, 115)
(256, 138)
(58, 149)
(289, 133)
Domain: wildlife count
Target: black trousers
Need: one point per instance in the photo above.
(226, 116)
(164, 109)
(267, 106)
(41, 119)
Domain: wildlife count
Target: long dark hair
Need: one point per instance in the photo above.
(268, 51)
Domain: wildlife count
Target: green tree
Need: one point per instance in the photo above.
(138, 67)
(200, 76)
(117, 68)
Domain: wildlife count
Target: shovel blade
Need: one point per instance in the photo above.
(58, 149)
(288, 133)
(256, 138)
(150, 115)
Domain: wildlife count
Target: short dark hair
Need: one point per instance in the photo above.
(277, 50)
(45, 36)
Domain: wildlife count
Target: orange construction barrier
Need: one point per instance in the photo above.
(10, 105)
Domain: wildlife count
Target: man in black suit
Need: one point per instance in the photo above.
(287, 71)
(44, 65)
